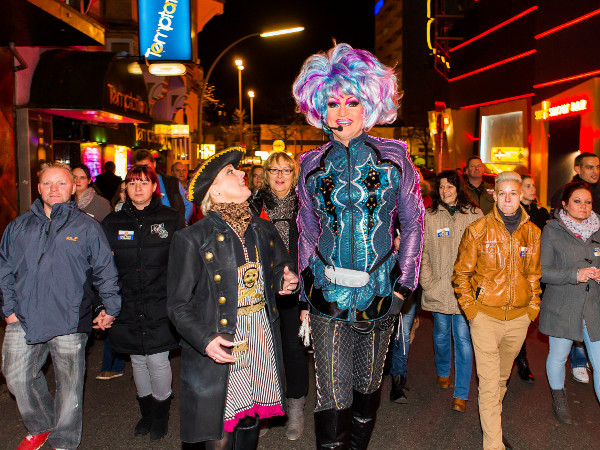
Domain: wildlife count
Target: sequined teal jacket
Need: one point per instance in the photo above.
(352, 199)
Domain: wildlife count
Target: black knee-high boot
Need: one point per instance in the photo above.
(332, 428)
(364, 411)
(245, 435)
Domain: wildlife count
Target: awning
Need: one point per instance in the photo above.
(90, 86)
(30, 23)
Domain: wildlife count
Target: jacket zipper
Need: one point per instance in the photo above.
(139, 252)
(47, 236)
(510, 266)
(353, 303)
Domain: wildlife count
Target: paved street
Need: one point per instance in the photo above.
(426, 422)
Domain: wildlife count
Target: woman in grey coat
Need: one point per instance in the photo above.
(570, 311)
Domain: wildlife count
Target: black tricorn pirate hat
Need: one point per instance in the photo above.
(205, 175)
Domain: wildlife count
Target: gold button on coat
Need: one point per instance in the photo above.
(220, 238)
(223, 322)
(217, 277)
(272, 265)
(222, 300)
(271, 243)
(208, 255)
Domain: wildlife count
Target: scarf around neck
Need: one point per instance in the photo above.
(236, 215)
(86, 198)
(583, 229)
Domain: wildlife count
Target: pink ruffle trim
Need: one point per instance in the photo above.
(263, 412)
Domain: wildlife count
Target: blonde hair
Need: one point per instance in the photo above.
(56, 165)
(277, 157)
(507, 176)
(206, 204)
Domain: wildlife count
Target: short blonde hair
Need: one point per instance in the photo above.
(56, 165)
(507, 176)
(278, 157)
(206, 204)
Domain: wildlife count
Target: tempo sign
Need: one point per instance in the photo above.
(165, 30)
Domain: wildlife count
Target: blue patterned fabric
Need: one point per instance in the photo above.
(350, 199)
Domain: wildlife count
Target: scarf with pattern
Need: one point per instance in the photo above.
(583, 229)
(237, 216)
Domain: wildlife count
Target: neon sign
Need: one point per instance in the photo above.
(506, 155)
(92, 158)
(549, 112)
(207, 150)
(165, 30)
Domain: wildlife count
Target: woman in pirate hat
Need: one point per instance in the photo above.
(224, 272)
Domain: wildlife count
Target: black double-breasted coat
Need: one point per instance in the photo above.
(202, 303)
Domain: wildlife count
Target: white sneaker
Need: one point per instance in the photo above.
(580, 374)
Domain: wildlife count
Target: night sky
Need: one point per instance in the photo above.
(271, 64)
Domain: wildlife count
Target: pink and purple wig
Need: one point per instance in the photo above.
(347, 71)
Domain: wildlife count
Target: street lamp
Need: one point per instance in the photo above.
(240, 65)
(251, 95)
(264, 35)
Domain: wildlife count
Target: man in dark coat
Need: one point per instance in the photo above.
(587, 168)
(108, 182)
(172, 192)
(479, 191)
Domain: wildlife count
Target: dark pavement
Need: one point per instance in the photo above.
(426, 422)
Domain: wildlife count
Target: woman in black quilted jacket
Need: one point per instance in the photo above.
(140, 236)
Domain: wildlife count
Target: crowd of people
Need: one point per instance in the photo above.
(335, 253)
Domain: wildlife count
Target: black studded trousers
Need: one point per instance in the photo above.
(347, 359)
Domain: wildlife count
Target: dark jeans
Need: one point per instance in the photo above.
(110, 360)
(22, 366)
(347, 360)
(578, 356)
(295, 359)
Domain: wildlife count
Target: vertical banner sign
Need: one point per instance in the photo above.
(165, 30)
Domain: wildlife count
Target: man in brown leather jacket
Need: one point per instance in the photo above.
(496, 280)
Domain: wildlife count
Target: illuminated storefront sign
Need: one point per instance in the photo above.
(165, 30)
(92, 158)
(508, 155)
(207, 150)
(548, 111)
(126, 102)
(121, 160)
(175, 130)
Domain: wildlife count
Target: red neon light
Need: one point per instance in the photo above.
(567, 24)
(516, 97)
(562, 80)
(500, 25)
(496, 64)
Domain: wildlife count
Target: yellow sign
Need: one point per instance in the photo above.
(207, 150)
(508, 155)
(175, 130)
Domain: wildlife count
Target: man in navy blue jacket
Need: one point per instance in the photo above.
(49, 259)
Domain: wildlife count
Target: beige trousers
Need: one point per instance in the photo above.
(496, 343)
